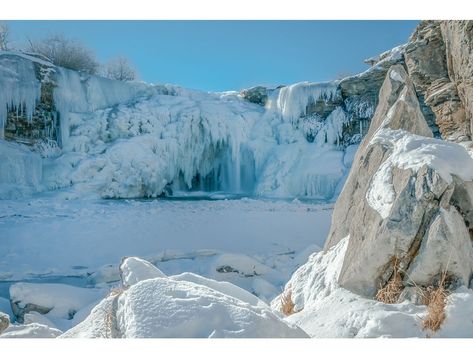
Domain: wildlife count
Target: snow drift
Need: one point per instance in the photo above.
(187, 305)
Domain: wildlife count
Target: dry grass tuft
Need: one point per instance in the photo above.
(287, 305)
(435, 298)
(392, 290)
(436, 301)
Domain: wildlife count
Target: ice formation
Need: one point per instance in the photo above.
(292, 101)
(20, 89)
(132, 139)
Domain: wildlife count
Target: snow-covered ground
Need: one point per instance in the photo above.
(253, 243)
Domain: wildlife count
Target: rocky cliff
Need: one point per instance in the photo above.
(407, 203)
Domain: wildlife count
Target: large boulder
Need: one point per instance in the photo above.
(407, 201)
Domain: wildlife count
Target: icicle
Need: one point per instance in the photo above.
(20, 89)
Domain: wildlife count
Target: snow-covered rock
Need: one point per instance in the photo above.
(187, 305)
(133, 270)
(62, 305)
(33, 330)
(325, 309)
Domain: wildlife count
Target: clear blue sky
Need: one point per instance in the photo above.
(230, 55)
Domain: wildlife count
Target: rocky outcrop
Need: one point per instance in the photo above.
(407, 202)
(438, 58)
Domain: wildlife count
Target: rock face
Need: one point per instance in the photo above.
(439, 61)
(407, 201)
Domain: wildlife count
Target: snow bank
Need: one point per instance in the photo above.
(64, 305)
(186, 306)
(33, 330)
(20, 171)
(326, 310)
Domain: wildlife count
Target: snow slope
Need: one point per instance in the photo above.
(326, 310)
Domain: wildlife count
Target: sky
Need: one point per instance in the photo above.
(230, 55)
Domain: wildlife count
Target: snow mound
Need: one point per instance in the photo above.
(63, 306)
(326, 310)
(186, 305)
(134, 269)
(33, 330)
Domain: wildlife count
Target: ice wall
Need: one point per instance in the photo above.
(20, 171)
(83, 93)
(131, 139)
(19, 89)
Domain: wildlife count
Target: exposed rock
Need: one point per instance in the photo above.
(4, 322)
(437, 58)
(369, 157)
(398, 204)
(257, 95)
(458, 38)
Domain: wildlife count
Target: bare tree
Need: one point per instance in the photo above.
(4, 36)
(66, 52)
(120, 68)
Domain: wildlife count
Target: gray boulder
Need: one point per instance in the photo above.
(414, 219)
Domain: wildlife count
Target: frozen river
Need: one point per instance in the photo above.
(254, 243)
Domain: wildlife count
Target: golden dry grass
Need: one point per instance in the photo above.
(392, 290)
(287, 305)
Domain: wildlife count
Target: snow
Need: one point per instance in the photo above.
(409, 151)
(20, 87)
(270, 237)
(164, 308)
(133, 270)
(33, 330)
(324, 309)
(64, 301)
